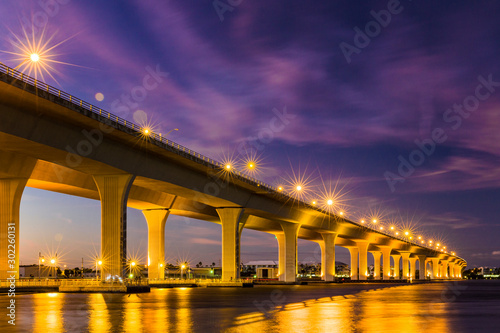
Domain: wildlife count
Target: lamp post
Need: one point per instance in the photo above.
(98, 262)
(40, 259)
(132, 264)
(53, 262)
(182, 270)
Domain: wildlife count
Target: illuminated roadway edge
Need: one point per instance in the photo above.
(69, 102)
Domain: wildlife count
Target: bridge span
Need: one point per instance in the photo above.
(53, 141)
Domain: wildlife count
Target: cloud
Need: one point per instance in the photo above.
(205, 241)
(452, 220)
(495, 253)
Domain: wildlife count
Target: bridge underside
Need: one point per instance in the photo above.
(55, 147)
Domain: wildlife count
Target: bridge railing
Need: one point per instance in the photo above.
(181, 150)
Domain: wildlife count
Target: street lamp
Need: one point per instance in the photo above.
(98, 262)
(53, 262)
(40, 259)
(182, 270)
(132, 264)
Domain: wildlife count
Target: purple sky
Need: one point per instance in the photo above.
(351, 117)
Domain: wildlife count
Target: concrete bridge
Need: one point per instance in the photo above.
(53, 141)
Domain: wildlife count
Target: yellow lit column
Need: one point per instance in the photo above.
(113, 192)
(14, 174)
(435, 268)
(376, 266)
(354, 262)
(156, 219)
(386, 262)
(231, 231)
(328, 256)
(444, 269)
(363, 259)
(452, 269)
(422, 267)
(396, 258)
(413, 268)
(406, 271)
(288, 251)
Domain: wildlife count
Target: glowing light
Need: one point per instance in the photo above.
(161, 265)
(438, 244)
(392, 228)
(183, 266)
(397, 233)
(422, 242)
(329, 202)
(228, 166)
(298, 187)
(381, 228)
(99, 262)
(374, 221)
(280, 188)
(341, 213)
(362, 221)
(406, 233)
(314, 202)
(146, 131)
(132, 263)
(419, 237)
(52, 261)
(99, 97)
(250, 165)
(34, 54)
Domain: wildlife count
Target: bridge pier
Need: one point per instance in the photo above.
(287, 242)
(328, 256)
(435, 268)
(156, 219)
(376, 266)
(451, 264)
(14, 174)
(413, 267)
(422, 267)
(232, 223)
(113, 192)
(386, 262)
(363, 259)
(406, 270)
(444, 269)
(354, 262)
(397, 273)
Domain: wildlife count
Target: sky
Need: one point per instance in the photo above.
(396, 102)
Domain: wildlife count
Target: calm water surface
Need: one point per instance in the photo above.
(465, 306)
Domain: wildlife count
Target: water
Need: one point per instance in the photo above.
(465, 306)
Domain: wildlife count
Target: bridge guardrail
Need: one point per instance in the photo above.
(181, 150)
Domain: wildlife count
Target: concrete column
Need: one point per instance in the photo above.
(422, 267)
(14, 174)
(156, 219)
(413, 268)
(113, 191)
(444, 269)
(386, 262)
(376, 269)
(406, 270)
(452, 269)
(435, 268)
(363, 259)
(231, 231)
(396, 258)
(354, 262)
(328, 256)
(288, 251)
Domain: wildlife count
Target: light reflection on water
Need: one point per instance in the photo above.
(349, 308)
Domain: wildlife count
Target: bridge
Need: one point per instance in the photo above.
(54, 141)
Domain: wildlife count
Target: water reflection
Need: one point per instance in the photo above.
(99, 321)
(48, 312)
(414, 308)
